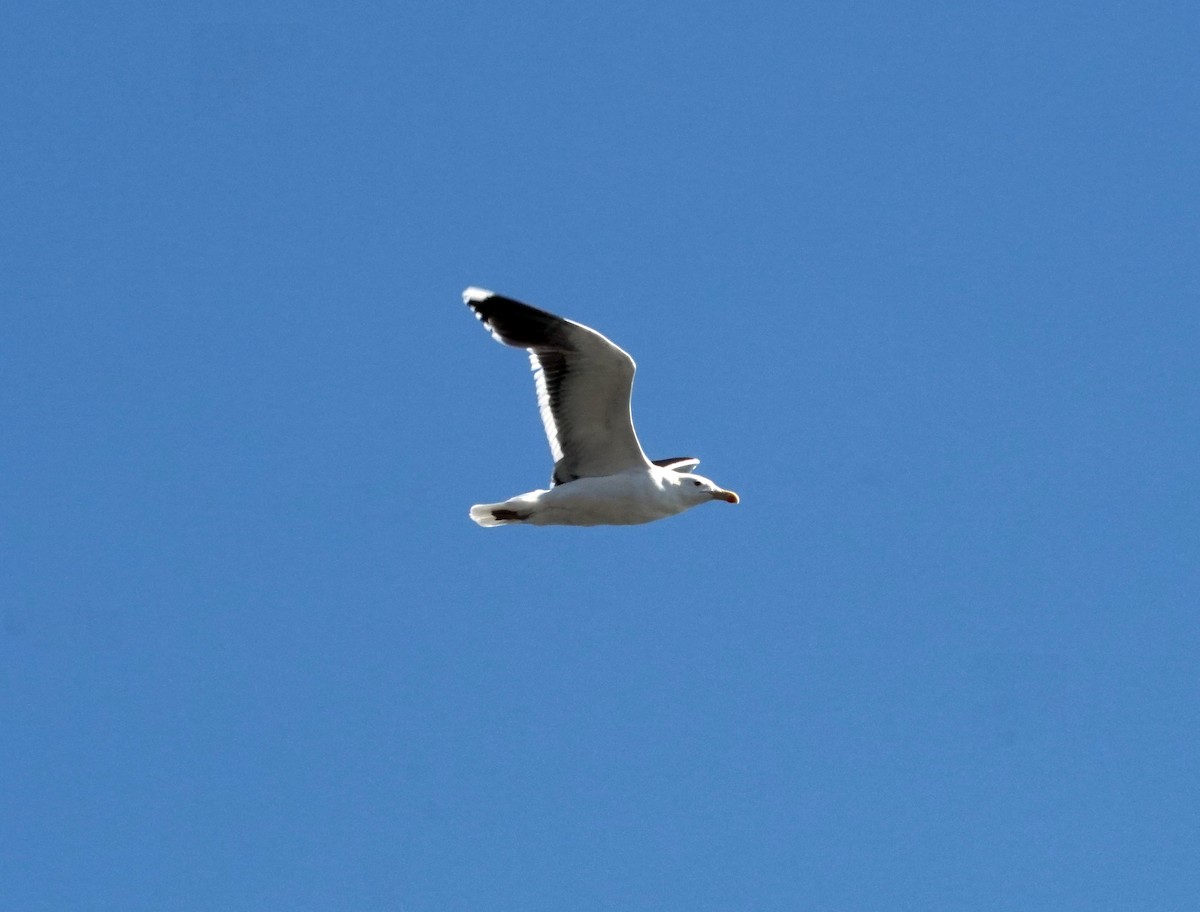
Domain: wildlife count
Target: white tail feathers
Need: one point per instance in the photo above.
(498, 514)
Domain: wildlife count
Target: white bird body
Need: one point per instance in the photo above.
(628, 498)
(584, 383)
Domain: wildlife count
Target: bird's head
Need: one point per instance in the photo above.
(698, 489)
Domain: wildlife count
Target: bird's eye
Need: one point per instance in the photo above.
(696, 483)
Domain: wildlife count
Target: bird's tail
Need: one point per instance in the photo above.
(499, 514)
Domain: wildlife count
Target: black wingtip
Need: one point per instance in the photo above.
(678, 463)
(514, 322)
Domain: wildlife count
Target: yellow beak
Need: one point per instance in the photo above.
(727, 496)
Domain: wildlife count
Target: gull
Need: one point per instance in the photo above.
(584, 383)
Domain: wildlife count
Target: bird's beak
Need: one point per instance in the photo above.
(727, 496)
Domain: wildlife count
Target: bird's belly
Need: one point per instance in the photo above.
(610, 501)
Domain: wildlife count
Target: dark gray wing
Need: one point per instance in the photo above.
(584, 383)
(678, 463)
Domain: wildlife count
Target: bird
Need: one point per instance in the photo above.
(584, 383)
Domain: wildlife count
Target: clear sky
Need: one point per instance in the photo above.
(920, 281)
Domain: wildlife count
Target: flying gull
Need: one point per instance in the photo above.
(584, 382)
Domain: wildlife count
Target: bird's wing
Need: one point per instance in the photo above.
(678, 463)
(584, 383)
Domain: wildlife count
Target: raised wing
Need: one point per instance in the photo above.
(584, 383)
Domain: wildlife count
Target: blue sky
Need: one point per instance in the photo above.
(919, 281)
